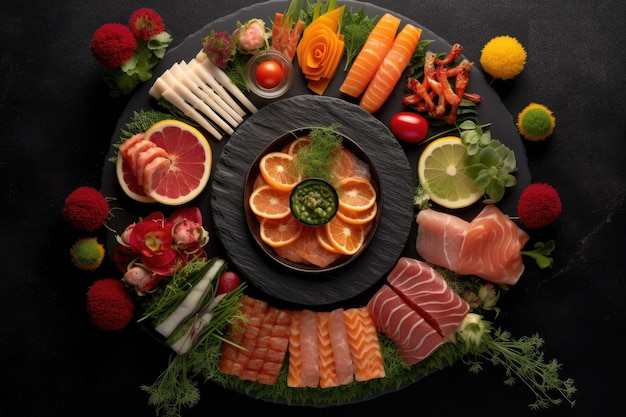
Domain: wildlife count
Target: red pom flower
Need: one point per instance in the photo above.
(86, 209)
(112, 45)
(109, 304)
(539, 205)
(145, 23)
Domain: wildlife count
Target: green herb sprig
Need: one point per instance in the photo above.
(541, 253)
(356, 27)
(316, 159)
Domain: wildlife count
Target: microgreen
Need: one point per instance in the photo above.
(541, 253)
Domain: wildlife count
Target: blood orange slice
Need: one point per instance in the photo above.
(189, 168)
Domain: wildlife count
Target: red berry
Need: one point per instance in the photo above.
(228, 281)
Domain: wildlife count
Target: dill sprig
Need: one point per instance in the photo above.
(356, 27)
(316, 159)
(522, 359)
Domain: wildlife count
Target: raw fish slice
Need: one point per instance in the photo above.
(129, 143)
(309, 249)
(364, 344)
(414, 337)
(327, 369)
(341, 346)
(425, 290)
(134, 151)
(145, 158)
(309, 349)
(492, 248)
(294, 375)
(440, 237)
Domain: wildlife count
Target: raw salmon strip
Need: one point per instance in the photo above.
(265, 341)
(391, 68)
(364, 345)
(371, 55)
(440, 238)
(492, 247)
(344, 367)
(328, 370)
(303, 350)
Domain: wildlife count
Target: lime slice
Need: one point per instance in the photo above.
(441, 170)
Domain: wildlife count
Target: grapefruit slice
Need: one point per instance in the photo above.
(190, 160)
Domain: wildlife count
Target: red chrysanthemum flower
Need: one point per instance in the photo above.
(86, 209)
(538, 206)
(109, 304)
(145, 23)
(112, 45)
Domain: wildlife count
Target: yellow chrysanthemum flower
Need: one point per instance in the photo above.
(503, 57)
(536, 122)
(87, 253)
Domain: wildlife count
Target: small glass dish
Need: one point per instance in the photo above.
(287, 74)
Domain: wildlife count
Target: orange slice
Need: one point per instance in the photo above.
(269, 203)
(292, 148)
(346, 238)
(276, 168)
(358, 217)
(280, 232)
(182, 176)
(356, 193)
(322, 239)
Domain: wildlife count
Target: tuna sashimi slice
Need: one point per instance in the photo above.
(414, 337)
(426, 291)
(492, 248)
(440, 238)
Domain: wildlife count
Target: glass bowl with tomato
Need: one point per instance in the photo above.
(269, 74)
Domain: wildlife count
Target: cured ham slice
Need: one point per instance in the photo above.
(488, 247)
(264, 341)
(492, 248)
(417, 310)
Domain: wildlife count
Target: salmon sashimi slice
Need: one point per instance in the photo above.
(257, 353)
(129, 143)
(327, 368)
(145, 158)
(309, 249)
(492, 248)
(364, 344)
(304, 370)
(344, 367)
(391, 68)
(371, 55)
(294, 373)
(440, 238)
(133, 153)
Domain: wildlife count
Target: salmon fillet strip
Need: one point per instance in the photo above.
(364, 344)
(265, 340)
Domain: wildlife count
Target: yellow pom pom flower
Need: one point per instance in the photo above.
(87, 253)
(503, 57)
(536, 122)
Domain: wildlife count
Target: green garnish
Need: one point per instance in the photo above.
(489, 162)
(176, 387)
(356, 27)
(541, 253)
(521, 358)
(316, 159)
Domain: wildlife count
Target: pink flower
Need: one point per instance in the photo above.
(142, 279)
(219, 47)
(251, 36)
(112, 45)
(187, 232)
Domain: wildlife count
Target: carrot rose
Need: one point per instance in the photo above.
(320, 50)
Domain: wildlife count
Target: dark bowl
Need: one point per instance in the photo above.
(253, 222)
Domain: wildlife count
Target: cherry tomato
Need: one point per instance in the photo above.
(409, 127)
(228, 281)
(268, 74)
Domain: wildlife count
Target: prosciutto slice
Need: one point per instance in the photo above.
(417, 309)
(488, 247)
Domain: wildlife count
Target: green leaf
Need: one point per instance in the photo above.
(541, 253)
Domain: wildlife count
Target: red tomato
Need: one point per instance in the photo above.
(268, 74)
(409, 127)
(228, 281)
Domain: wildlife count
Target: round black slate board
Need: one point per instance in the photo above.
(228, 208)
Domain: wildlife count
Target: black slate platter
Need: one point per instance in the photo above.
(228, 208)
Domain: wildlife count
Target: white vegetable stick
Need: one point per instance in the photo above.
(223, 79)
(190, 303)
(195, 101)
(207, 93)
(204, 317)
(205, 75)
(170, 95)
